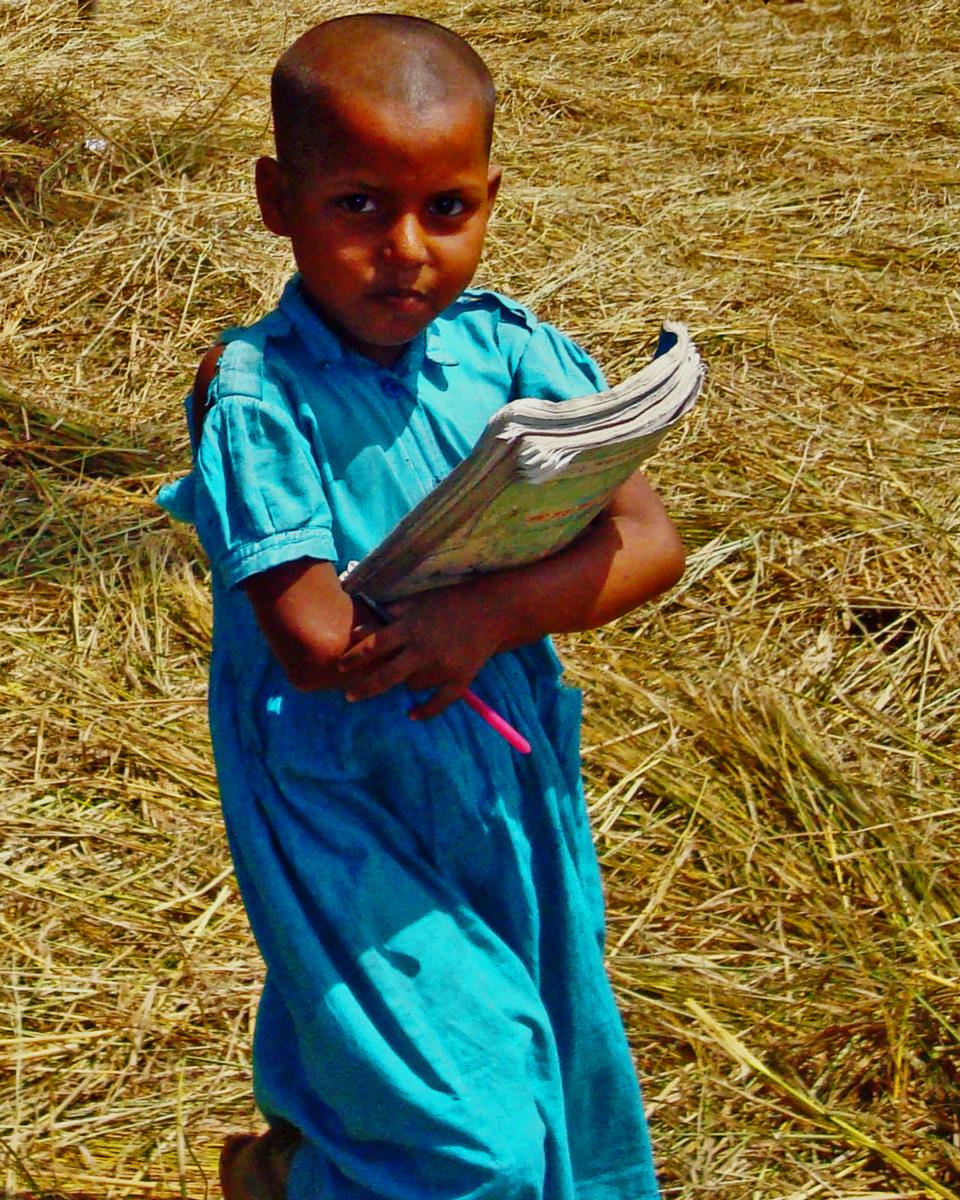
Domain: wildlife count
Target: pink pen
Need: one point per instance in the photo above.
(495, 721)
(480, 707)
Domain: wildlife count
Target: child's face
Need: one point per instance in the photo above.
(387, 225)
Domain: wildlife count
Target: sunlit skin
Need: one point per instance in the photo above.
(387, 227)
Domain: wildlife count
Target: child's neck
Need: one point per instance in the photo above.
(383, 356)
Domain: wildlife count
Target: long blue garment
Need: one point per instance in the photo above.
(436, 1018)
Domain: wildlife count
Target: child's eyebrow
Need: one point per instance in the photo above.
(358, 185)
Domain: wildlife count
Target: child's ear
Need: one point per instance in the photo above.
(494, 175)
(272, 193)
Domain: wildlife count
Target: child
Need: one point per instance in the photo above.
(436, 1021)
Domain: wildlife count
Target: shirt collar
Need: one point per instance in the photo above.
(327, 347)
(435, 350)
(320, 339)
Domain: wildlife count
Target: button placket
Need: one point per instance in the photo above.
(423, 443)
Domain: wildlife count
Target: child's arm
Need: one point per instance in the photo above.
(441, 639)
(308, 619)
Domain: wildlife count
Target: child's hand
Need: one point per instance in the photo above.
(438, 639)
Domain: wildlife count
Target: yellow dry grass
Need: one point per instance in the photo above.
(771, 751)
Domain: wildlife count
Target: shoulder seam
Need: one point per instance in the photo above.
(513, 308)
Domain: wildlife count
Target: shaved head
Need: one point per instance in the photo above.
(402, 61)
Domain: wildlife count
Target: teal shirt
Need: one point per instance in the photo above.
(314, 450)
(436, 1019)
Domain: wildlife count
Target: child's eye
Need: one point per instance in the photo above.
(448, 206)
(357, 203)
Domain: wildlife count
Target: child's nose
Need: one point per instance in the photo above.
(405, 243)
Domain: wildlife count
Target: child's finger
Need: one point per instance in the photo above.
(380, 644)
(363, 629)
(443, 697)
(378, 677)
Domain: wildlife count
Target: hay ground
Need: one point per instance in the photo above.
(771, 752)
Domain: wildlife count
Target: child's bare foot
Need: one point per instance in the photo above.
(255, 1167)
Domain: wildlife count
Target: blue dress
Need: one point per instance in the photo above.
(436, 1019)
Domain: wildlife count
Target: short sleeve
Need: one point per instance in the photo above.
(258, 498)
(553, 367)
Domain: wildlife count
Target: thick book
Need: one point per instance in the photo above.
(541, 471)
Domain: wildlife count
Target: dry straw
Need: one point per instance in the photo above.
(771, 751)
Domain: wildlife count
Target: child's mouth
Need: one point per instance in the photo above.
(403, 300)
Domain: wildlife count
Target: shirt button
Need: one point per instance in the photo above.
(392, 388)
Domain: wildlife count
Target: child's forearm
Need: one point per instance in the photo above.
(308, 620)
(630, 554)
